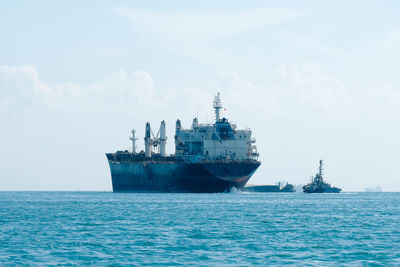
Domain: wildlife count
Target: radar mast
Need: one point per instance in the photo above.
(321, 168)
(217, 104)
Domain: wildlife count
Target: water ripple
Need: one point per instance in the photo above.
(87, 228)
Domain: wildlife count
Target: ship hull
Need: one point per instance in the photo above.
(321, 189)
(148, 176)
(324, 190)
(269, 188)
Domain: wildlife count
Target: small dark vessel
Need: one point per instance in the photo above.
(317, 184)
(269, 188)
(288, 188)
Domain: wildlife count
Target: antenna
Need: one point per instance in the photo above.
(217, 104)
(321, 167)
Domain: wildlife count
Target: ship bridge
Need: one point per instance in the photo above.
(218, 141)
(223, 130)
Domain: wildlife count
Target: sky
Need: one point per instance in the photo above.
(312, 79)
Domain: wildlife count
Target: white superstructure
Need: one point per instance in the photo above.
(202, 142)
(218, 141)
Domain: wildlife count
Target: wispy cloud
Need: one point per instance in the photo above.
(206, 37)
(198, 26)
(307, 90)
(121, 92)
(296, 88)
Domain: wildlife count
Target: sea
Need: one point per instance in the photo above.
(226, 229)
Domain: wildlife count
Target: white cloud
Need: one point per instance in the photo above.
(303, 88)
(256, 99)
(315, 89)
(306, 89)
(22, 85)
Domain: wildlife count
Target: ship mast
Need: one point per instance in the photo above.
(217, 105)
(321, 168)
(133, 138)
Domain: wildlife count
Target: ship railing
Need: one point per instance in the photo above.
(249, 160)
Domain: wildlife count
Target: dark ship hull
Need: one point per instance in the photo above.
(321, 190)
(269, 188)
(172, 176)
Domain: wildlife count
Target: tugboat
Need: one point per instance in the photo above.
(288, 188)
(317, 184)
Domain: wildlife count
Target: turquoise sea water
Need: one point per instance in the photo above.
(103, 228)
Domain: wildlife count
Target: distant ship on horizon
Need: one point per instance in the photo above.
(374, 189)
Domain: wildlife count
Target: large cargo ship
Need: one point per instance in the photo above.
(208, 158)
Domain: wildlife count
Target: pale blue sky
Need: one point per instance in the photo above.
(312, 79)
